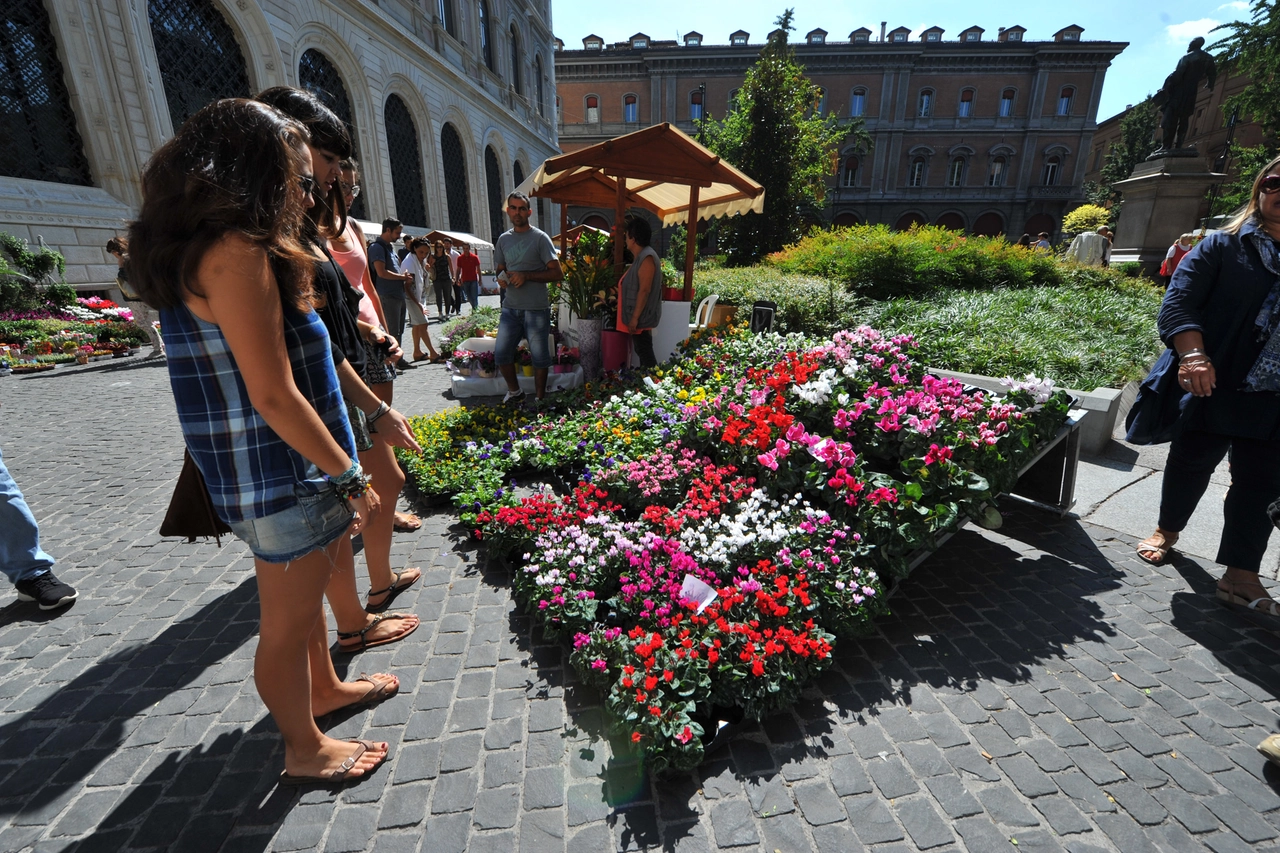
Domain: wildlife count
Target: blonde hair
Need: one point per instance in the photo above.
(1234, 226)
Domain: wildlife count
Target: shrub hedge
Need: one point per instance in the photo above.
(975, 304)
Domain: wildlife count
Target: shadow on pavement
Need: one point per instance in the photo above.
(983, 611)
(93, 717)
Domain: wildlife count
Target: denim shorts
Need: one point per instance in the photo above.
(517, 323)
(314, 522)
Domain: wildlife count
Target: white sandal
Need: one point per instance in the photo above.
(1264, 605)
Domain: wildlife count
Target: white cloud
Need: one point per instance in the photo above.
(1187, 30)
(1235, 5)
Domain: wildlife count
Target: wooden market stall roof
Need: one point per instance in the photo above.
(660, 169)
(576, 232)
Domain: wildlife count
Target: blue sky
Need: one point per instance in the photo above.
(1157, 30)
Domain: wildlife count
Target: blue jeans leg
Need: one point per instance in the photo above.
(471, 290)
(21, 556)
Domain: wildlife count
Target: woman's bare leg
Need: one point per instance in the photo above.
(388, 480)
(290, 597)
(344, 600)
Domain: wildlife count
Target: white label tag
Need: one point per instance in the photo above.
(695, 590)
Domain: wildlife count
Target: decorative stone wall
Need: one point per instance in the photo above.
(396, 46)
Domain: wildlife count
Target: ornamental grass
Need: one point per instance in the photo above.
(705, 535)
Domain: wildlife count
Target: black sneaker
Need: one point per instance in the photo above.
(46, 590)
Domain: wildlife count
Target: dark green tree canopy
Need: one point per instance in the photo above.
(776, 134)
(1252, 48)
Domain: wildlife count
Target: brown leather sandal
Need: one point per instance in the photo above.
(364, 643)
(379, 691)
(339, 775)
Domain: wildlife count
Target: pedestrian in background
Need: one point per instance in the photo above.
(1174, 256)
(469, 277)
(392, 285)
(442, 283)
(526, 260)
(417, 264)
(27, 566)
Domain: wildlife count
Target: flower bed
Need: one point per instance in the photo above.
(720, 524)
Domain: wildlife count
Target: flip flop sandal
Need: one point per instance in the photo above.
(392, 591)
(1264, 605)
(337, 776)
(409, 525)
(1157, 544)
(371, 644)
(1271, 749)
(378, 692)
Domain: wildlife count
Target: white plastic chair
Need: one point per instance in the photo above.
(702, 317)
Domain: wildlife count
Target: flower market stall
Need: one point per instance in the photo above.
(704, 537)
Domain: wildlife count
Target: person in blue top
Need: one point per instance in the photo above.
(219, 248)
(1221, 315)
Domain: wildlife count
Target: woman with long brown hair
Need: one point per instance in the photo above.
(1221, 317)
(219, 248)
(358, 628)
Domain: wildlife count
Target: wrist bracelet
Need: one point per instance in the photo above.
(382, 409)
(1193, 351)
(348, 475)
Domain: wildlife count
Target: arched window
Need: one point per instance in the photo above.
(448, 20)
(1052, 169)
(909, 220)
(537, 75)
(630, 109)
(915, 173)
(1065, 97)
(925, 107)
(695, 105)
(850, 176)
(951, 220)
(486, 35)
(955, 172)
(593, 109)
(733, 100)
(317, 75)
(965, 109)
(455, 180)
(559, 111)
(40, 141)
(820, 102)
(198, 56)
(989, 225)
(493, 183)
(517, 79)
(858, 102)
(517, 173)
(406, 163)
(1006, 103)
(995, 177)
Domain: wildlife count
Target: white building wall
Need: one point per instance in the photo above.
(395, 46)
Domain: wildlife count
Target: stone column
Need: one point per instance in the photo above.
(1162, 200)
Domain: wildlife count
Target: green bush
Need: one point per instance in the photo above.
(17, 331)
(806, 304)
(27, 278)
(875, 262)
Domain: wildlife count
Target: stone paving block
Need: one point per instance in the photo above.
(923, 824)
(1103, 736)
(769, 796)
(1030, 781)
(733, 824)
(942, 730)
(1233, 812)
(1189, 811)
(497, 808)
(871, 819)
(979, 833)
(1125, 833)
(785, 832)
(818, 803)
(836, 838)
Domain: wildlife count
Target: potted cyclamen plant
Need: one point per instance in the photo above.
(525, 358)
(462, 361)
(567, 359)
(485, 364)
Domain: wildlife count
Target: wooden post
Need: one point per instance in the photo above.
(691, 243)
(619, 232)
(564, 229)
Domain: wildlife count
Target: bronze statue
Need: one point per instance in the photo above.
(1177, 98)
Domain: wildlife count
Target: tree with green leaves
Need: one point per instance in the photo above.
(775, 134)
(1235, 192)
(1249, 48)
(1137, 142)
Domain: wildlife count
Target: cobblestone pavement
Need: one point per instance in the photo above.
(1036, 685)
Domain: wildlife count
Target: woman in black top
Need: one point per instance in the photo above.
(443, 283)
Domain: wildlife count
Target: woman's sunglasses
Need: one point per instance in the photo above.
(1269, 184)
(308, 185)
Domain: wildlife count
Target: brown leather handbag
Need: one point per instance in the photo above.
(191, 511)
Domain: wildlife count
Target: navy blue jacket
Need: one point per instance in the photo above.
(1218, 289)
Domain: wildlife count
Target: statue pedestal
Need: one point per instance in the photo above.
(1162, 200)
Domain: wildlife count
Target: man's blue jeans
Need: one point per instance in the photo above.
(21, 556)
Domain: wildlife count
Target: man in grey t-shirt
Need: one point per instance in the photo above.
(526, 261)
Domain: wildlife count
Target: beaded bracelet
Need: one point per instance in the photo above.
(355, 489)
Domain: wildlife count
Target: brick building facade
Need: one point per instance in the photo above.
(980, 134)
(451, 102)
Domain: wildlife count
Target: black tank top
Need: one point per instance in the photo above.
(338, 304)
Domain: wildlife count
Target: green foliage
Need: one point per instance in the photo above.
(17, 331)
(677, 244)
(22, 272)
(474, 325)
(1234, 194)
(1249, 48)
(1084, 326)
(1086, 217)
(1137, 142)
(774, 135)
(589, 278)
